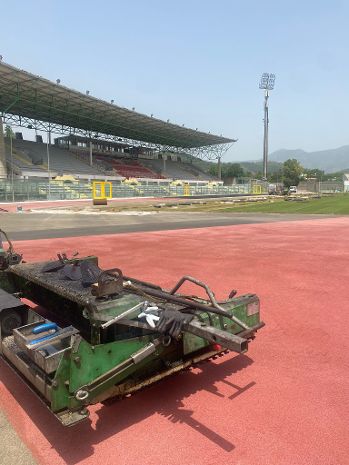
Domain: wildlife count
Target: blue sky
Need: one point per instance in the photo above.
(198, 63)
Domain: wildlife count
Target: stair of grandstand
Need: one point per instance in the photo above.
(22, 164)
(153, 169)
(21, 159)
(61, 161)
(198, 172)
(85, 158)
(177, 170)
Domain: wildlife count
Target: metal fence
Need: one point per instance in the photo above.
(32, 190)
(321, 187)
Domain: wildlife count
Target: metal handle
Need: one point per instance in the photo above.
(10, 246)
(44, 327)
(211, 296)
(113, 272)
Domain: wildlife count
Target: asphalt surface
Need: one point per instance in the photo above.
(285, 402)
(25, 226)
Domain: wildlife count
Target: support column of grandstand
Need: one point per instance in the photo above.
(3, 170)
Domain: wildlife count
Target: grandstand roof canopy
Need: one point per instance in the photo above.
(30, 96)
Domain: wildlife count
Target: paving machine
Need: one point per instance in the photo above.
(96, 335)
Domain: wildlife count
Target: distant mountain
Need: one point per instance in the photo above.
(329, 161)
(253, 166)
(257, 166)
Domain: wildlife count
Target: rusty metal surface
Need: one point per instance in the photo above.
(26, 367)
(8, 257)
(184, 300)
(211, 296)
(73, 290)
(131, 387)
(69, 418)
(109, 282)
(218, 336)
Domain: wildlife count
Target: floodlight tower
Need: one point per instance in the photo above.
(266, 83)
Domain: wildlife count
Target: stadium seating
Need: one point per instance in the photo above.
(23, 165)
(61, 161)
(29, 159)
(132, 169)
(153, 169)
(176, 170)
(129, 168)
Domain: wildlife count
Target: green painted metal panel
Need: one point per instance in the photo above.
(89, 362)
(60, 389)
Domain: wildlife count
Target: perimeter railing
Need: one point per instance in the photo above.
(33, 190)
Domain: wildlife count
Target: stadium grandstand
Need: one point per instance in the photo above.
(90, 139)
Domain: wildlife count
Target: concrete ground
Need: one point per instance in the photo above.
(36, 225)
(283, 403)
(12, 450)
(120, 201)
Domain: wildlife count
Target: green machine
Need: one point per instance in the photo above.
(94, 334)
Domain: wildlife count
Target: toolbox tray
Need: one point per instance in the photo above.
(48, 354)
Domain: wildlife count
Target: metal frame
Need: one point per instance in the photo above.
(208, 152)
(27, 100)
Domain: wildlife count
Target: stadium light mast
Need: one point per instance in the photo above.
(267, 84)
(48, 143)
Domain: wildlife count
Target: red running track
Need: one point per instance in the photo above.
(285, 403)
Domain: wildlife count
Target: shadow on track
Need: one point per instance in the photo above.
(164, 398)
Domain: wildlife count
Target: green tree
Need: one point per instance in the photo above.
(292, 171)
(8, 132)
(229, 170)
(233, 170)
(338, 175)
(213, 169)
(275, 177)
(314, 173)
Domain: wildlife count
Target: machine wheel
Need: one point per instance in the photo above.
(9, 320)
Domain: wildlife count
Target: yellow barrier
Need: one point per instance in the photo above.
(101, 192)
(256, 189)
(186, 189)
